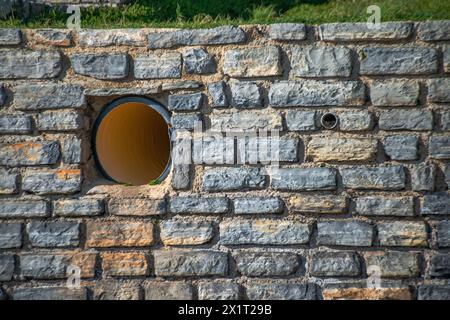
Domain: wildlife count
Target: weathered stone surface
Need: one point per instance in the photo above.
(316, 61)
(10, 36)
(258, 205)
(158, 65)
(402, 293)
(360, 31)
(438, 90)
(8, 182)
(394, 92)
(193, 37)
(80, 207)
(56, 266)
(24, 64)
(281, 291)
(423, 177)
(115, 37)
(191, 263)
(60, 181)
(445, 120)
(49, 96)
(228, 179)
(139, 206)
(315, 93)
(439, 147)
(213, 149)
(440, 265)
(306, 179)
(263, 231)
(297, 120)
(10, 235)
(246, 95)
(15, 124)
(262, 264)
(185, 102)
(434, 292)
(253, 62)
(398, 60)
(318, 204)
(287, 31)
(181, 176)
(53, 37)
(434, 30)
(124, 264)
(103, 66)
(434, 204)
(53, 234)
(29, 153)
(383, 206)
(3, 95)
(198, 61)
(264, 149)
(345, 233)
(49, 293)
(23, 208)
(180, 205)
(335, 264)
(446, 170)
(218, 291)
(64, 120)
(6, 267)
(355, 120)
(181, 85)
(138, 91)
(443, 234)
(401, 147)
(116, 290)
(402, 233)
(186, 121)
(156, 290)
(411, 119)
(245, 121)
(72, 150)
(218, 94)
(103, 234)
(342, 149)
(186, 232)
(391, 264)
(380, 178)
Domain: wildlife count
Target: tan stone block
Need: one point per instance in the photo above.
(119, 234)
(367, 294)
(318, 204)
(125, 263)
(342, 149)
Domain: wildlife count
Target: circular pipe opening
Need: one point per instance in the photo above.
(329, 120)
(131, 141)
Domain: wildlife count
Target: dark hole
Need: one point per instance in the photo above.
(329, 120)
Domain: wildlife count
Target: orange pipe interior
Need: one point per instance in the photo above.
(133, 144)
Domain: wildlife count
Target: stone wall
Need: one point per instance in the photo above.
(370, 194)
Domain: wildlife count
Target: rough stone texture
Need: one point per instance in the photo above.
(443, 234)
(168, 291)
(401, 147)
(10, 235)
(381, 206)
(3, 95)
(49, 293)
(124, 264)
(116, 37)
(440, 265)
(380, 178)
(52, 37)
(218, 291)
(29, 153)
(394, 93)
(78, 207)
(10, 36)
(15, 124)
(193, 37)
(245, 121)
(61, 181)
(6, 267)
(320, 62)
(434, 30)
(260, 264)
(185, 121)
(186, 232)
(198, 61)
(335, 264)
(345, 233)
(115, 290)
(306, 179)
(158, 66)
(342, 149)
(24, 64)
(8, 182)
(49, 96)
(72, 150)
(105, 66)
(435, 204)
(182, 205)
(263, 231)
(253, 62)
(258, 205)
(119, 234)
(402, 119)
(64, 120)
(445, 120)
(53, 234)
(399, 233)
(185, 102)
(281, 291)
(438, 90)
(245, 95)
(301, 120)
(318, 204)
(136, 206)
(439, 147)
(360, 31)
(227, 179)
(423, 177)
(403, 293)
(287, 31)
(218, 94)
(315, 93)
(355, 120)
(23, 208)
(398, 61)
(191, 263)
(434, 292)
(391, 264)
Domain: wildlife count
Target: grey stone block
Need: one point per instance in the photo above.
(287, 31)
(258, 205)
(378, 178)
(23, 208)
(401, 147)
(198, 61)
(103, 66)
(345, 233)
(53, 234)
(383, 206)
(360, 31)
(218, 94)
(394, 93)
(185, 102)
(78, 207)
(402, 233)
(253, 62)
(335, 264)
(158, 66)
(228, 179)
(306, 179)
(15, 124)
(24, 64)
(10, 235)
(246, 95)
(263, 264)
(180, 205)
(297, 120)
(411, 119)
(281, 291)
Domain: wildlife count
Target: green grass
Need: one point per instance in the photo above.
(209, 13)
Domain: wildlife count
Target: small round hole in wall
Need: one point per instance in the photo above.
(329, 120)
(131, 141)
